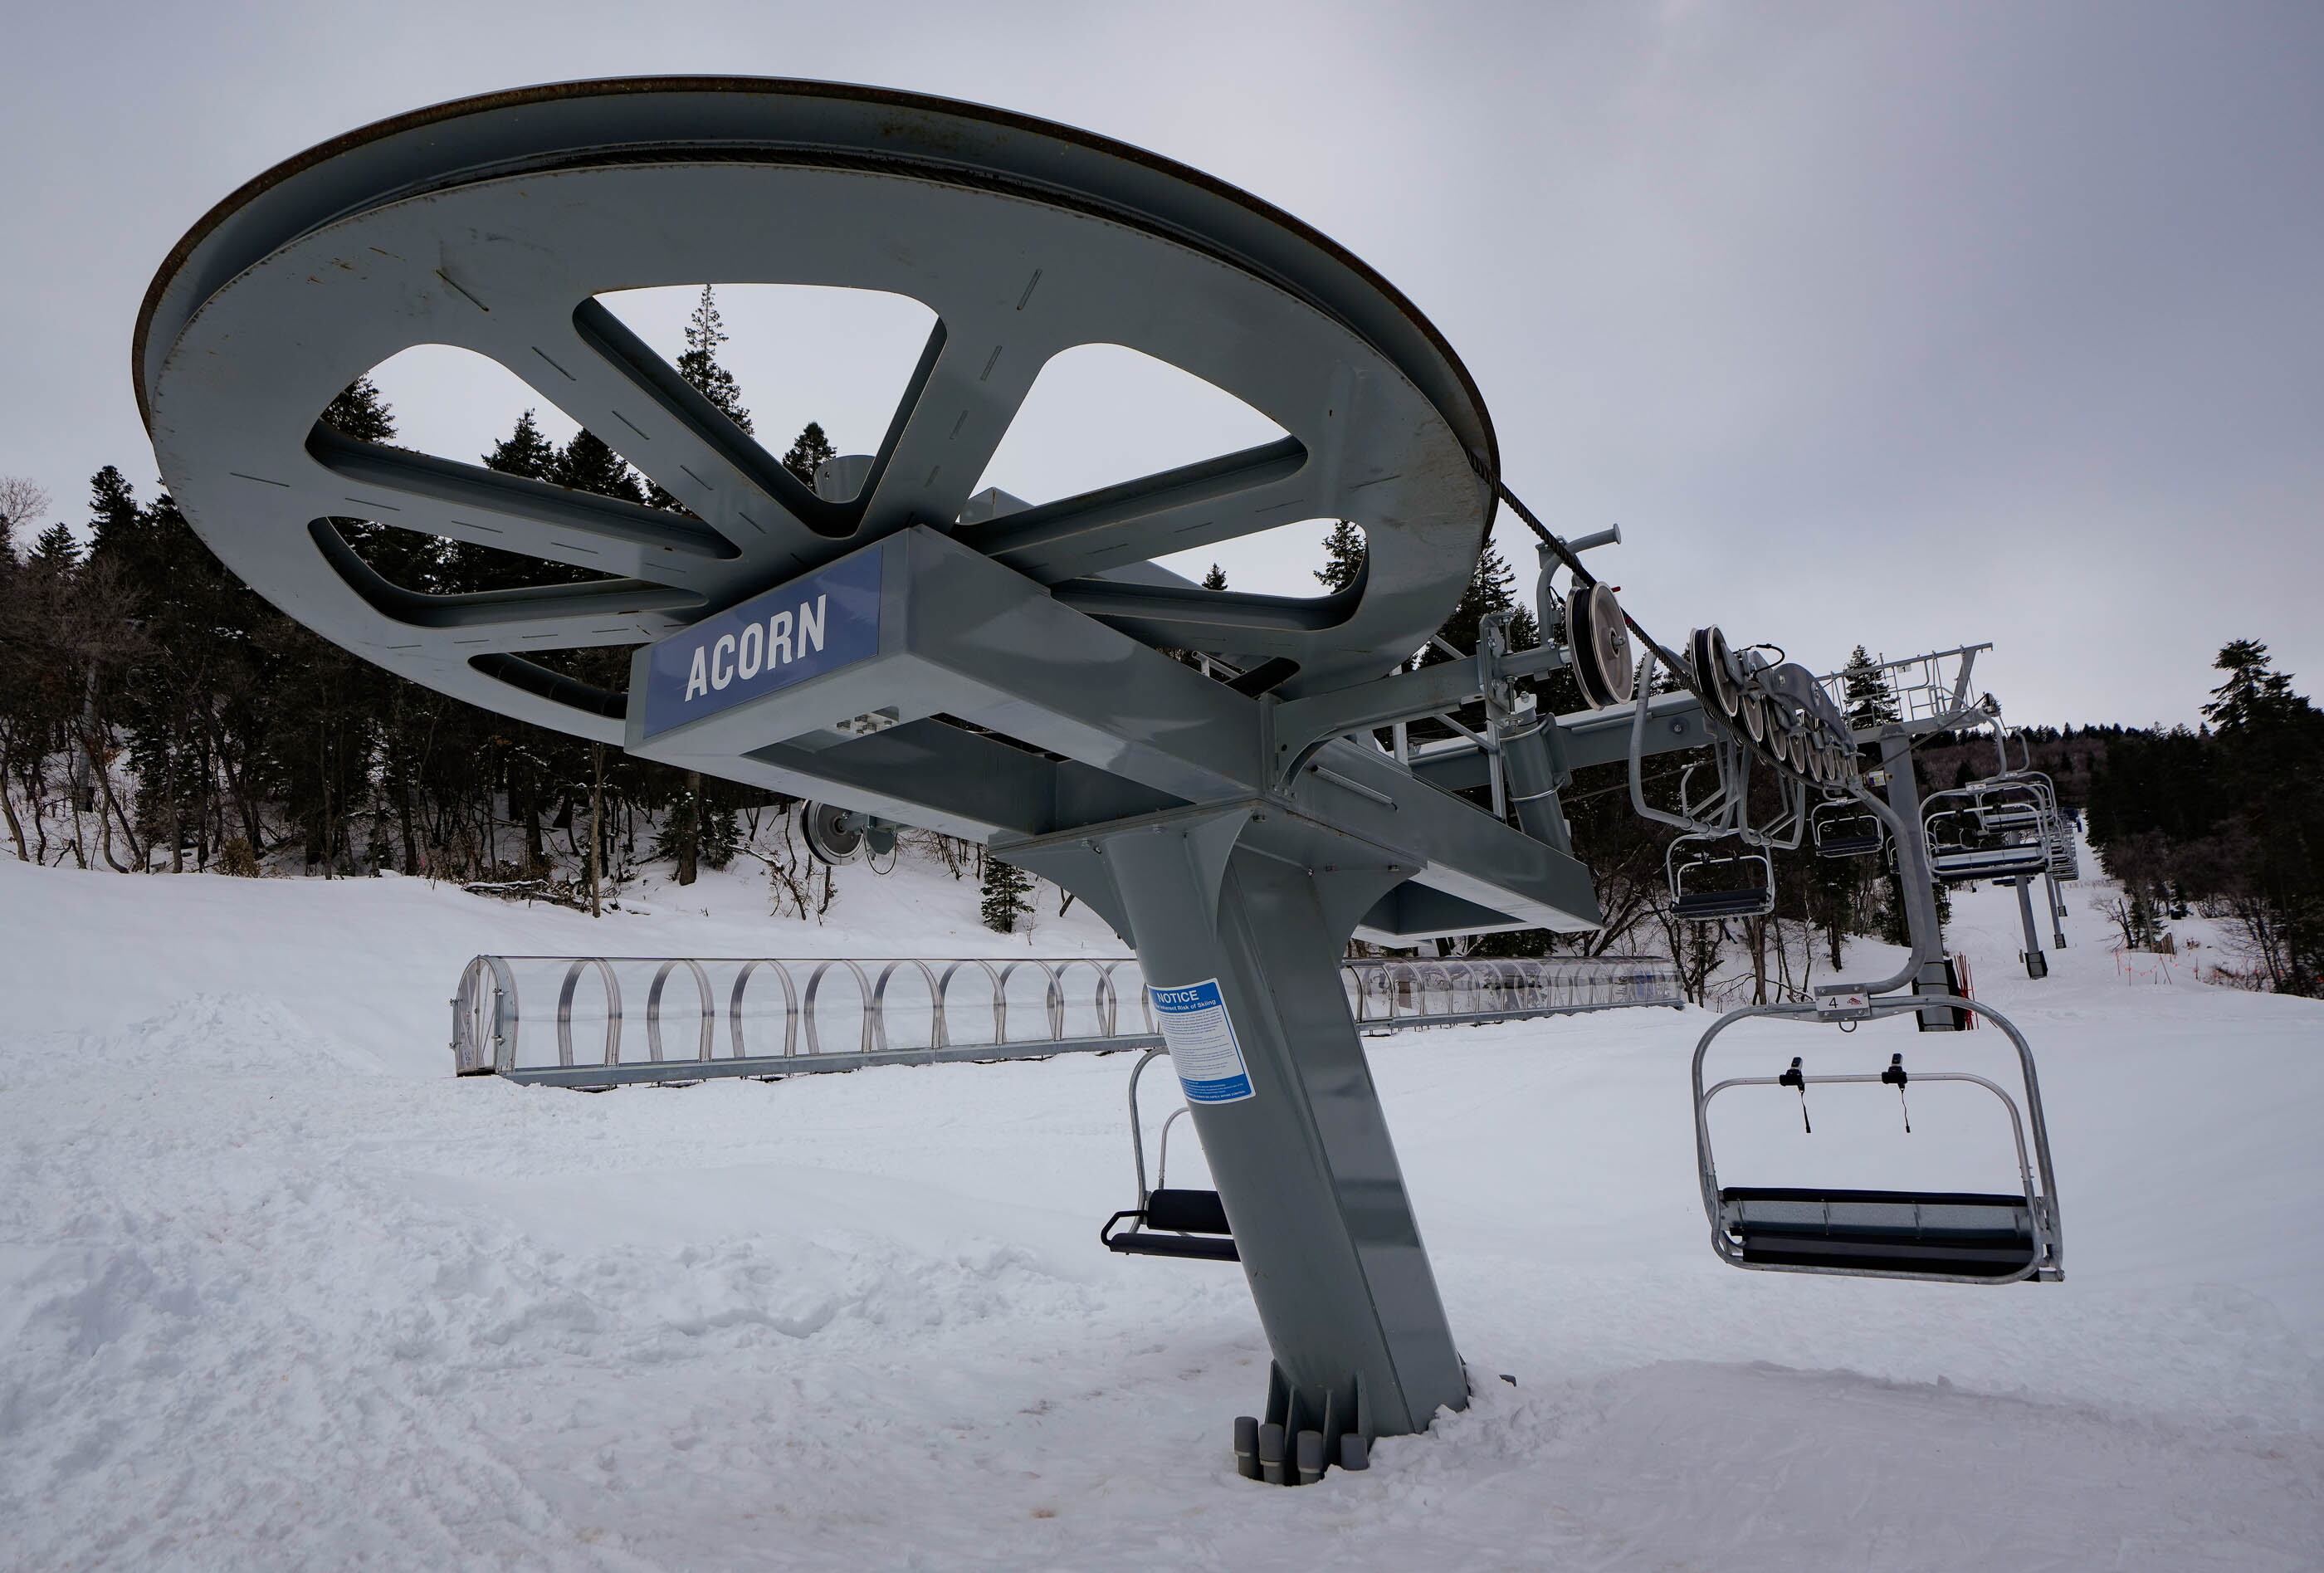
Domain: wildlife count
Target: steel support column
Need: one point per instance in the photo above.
(1917, 885)
(2037, 965)
(1305, 1166)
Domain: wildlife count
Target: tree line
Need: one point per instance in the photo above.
(2225, 820)
(155, 714)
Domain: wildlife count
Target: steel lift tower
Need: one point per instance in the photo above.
(886, 643)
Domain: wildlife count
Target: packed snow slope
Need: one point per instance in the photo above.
(276, 1290)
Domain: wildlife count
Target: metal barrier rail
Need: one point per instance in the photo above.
(1926, 691)
(782, 1017)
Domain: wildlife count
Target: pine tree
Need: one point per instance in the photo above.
(722, 837)
(405, 558)
(678, 838)
(2253, 694)
(705, 332)
(1871, 702)
(56, 548)
(1006, 892)
(1343, 556)
(361, 412)
(809, 451)
(524, 452)
(1216, 579)
(586, 465)
(1491, 589)
(114, 515)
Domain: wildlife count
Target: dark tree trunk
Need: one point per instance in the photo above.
(689, 845)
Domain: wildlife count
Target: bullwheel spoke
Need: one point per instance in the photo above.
(964, 394)
(614, 382)
(462, 501)
(1178, 510)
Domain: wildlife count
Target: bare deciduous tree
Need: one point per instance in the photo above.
(22, 502)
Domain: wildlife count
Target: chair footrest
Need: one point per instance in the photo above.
(1953, 1233)
(1967, 865)
(1202, 1247)
(1711, 904)
(1886, 1255)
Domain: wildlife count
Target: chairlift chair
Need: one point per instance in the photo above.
(1710, 886)
(2018, 816)
(1841, 828)
(1965, 846)
(1169, 1222)
(1988, 1238)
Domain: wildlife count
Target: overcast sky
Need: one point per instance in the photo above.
(1907, 325)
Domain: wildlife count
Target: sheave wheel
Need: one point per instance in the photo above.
(1599, 644)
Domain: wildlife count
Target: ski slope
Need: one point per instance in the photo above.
(277, 1292)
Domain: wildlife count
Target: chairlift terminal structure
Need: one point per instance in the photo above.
(898, 650)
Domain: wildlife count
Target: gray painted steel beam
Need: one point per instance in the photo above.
(1303, 1164)
(962, 636)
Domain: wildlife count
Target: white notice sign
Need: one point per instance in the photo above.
(1202, 1042)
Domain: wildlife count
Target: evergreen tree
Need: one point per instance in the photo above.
(810, 450)
(586, 465)
(1343, 556)
(678, 838)
(722, 837)
(112, 513)
(705, 332)
(57, 548)
(1871, 702)
(361, 412)
(1491, 589)
(1006, 889)
(524, 452)
(2253, 695)
(1216, 579)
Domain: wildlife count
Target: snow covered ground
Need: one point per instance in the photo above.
(276, 1290)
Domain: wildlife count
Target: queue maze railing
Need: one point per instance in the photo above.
(782, 1016)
